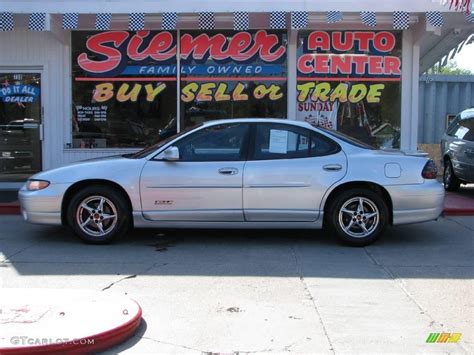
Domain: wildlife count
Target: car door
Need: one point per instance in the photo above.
(205, 184)
(462, 149)
(288, 172)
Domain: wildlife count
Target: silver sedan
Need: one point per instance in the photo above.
(240, 173)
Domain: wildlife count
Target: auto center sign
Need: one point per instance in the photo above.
(337, 69)
(349, 54)
(366, 60)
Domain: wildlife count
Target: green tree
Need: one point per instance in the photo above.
(451, 68)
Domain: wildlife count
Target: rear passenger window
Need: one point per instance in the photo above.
(277, 141)
(465, 130)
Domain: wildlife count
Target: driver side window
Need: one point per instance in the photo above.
(226, 142)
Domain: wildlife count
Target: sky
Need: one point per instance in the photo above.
(465, 58)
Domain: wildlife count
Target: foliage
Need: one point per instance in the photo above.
(451, 68)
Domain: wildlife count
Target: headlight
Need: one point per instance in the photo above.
(34, 185)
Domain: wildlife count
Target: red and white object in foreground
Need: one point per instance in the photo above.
(460, 5)
(37, 321)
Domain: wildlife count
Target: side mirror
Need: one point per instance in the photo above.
(170, 154)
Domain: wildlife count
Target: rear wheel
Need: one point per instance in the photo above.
(98, 214)
(450, 181)
(358, 216)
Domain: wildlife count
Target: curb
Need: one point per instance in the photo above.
(458, 212)
(10, 208)
(456, 204)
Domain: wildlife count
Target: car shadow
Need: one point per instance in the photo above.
(438, 249)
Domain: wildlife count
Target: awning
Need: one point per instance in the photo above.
(223, 6)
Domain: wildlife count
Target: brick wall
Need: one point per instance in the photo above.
(434, 152)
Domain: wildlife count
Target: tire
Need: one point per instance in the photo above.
(349, 226)
(98, 225)
(450, 181)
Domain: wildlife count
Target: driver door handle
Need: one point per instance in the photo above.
(228, 171)
(332, 167)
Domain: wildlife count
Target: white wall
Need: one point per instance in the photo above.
(27, 50)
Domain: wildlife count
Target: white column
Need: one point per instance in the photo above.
(178, 81)
(415, 87)
(410, 90)
(291, 65)
(407, 92)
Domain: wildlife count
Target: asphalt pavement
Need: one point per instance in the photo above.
(265, 291)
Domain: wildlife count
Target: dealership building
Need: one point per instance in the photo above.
(85, 79)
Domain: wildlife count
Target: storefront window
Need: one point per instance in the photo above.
(123, 88)
(350, 81)
(227, 74)
(20, 124)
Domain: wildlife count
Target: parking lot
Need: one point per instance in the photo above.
(265, 291)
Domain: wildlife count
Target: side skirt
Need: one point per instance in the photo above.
(140, 222)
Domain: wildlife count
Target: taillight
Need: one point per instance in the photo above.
(430, 171)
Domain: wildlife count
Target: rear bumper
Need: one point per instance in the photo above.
(43, 206)
(417, 203)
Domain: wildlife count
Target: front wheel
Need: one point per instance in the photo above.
(98, 214)
(450, 181)
(358, 216)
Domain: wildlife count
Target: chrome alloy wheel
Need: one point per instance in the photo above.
(96, 216)
(359, 217)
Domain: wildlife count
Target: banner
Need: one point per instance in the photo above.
(210, 62)
(350, 81)
(228, 74)
(19, 93)
(125, 83)
(319, 113)
(147, 53)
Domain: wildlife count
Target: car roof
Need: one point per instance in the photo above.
(469, 113)
(260, 120)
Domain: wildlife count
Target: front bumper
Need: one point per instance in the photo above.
(417, 203)
(43, 206)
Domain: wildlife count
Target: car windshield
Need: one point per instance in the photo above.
(148, 150)
(347, 139)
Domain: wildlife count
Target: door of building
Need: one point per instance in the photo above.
(20, 126)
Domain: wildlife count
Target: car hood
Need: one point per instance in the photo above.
(107, 168)
(109, 157)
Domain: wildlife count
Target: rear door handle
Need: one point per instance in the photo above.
(228, 171)
(332, 167)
